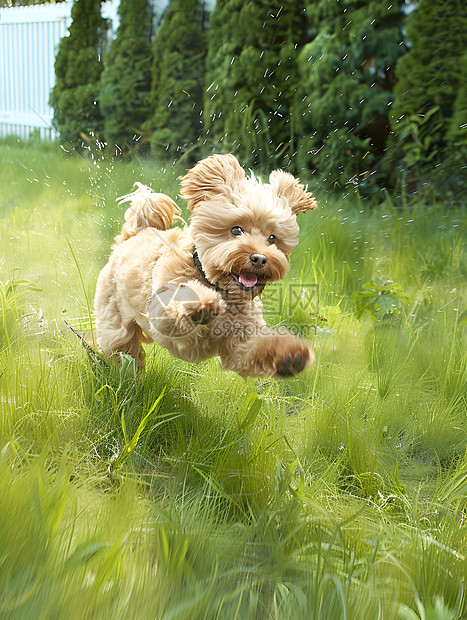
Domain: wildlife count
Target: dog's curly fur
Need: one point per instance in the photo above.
(195, 290)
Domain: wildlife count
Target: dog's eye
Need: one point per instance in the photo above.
(271, 239)
(236, 230)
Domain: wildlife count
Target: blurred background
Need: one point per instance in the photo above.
(367, 95)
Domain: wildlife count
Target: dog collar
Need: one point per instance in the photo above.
(198, 264)
(199, 267)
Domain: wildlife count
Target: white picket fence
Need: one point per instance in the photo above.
(29, 38)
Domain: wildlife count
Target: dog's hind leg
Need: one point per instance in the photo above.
(114, 333)
(115, 336)
(133, 346)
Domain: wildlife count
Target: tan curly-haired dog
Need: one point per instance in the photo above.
(195, 290)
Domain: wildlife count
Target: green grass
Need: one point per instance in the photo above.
(338, 494)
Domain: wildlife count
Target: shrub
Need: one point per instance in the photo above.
(346, 81)
(251, 78)
(126, 77)
(177, 75)
(78, 69)
(429, 106)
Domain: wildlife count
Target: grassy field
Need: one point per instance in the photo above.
(186, 492)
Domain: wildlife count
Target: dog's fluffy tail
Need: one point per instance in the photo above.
(147, 210)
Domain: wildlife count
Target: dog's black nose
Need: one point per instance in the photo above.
(258, 260)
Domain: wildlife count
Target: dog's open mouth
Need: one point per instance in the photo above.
(247, 280)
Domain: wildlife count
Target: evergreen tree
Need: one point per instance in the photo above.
(347, 77)
(178, 79)
(126, 77)
(457, 134)
(251, 79)
(429, 106)
(78, 68)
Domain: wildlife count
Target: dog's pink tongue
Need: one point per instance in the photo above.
(248, 279)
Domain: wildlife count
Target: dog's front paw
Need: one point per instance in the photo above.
(200, 303)
(292, 359)
(203, 313)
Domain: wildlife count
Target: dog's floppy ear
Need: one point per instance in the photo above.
(216, 175)
(290, 189)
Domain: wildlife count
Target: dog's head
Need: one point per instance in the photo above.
(243, 230)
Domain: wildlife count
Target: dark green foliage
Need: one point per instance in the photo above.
(78, 68)
(324, 86)
(347, 76)
(457, 133)
(455, 168)
(178, 74)
(8, 3)
(430, 97)
(251, 78)
(126, 79)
